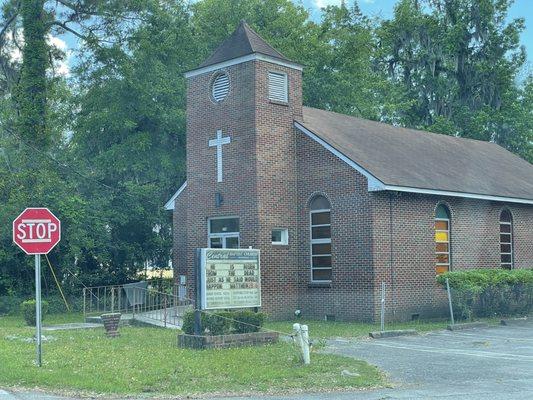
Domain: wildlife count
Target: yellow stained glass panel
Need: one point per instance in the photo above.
(441, 236)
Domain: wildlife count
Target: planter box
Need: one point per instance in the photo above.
(111, 322)
(225, 341)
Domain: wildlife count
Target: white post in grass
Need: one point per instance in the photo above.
(305, 341)
(302, 336)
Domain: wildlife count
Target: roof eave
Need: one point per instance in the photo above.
(450, 193)
(240, 60)
(169, 205)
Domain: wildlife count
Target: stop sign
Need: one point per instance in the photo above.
(36, 230)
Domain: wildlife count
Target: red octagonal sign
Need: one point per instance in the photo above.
(36, 230)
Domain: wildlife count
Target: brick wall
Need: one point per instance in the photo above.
(235, 116)
(259, 174)
(409, 270)
(272, 171)
(276, 189)
(350, 295)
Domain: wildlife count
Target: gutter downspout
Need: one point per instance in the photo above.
(391, 257)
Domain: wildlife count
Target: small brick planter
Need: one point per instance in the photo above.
(226, 341)
(111, 322)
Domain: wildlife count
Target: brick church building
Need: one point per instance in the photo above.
(337, 204)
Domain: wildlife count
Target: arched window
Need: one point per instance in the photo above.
(506, 239)
(320, 220)
(442, 239)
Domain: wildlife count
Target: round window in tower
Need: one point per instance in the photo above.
(220, 87)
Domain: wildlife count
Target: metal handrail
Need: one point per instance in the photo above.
(159, 306)
(143, 303)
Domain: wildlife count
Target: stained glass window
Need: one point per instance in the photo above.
(442, 240)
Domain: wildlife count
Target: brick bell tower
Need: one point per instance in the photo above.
(241, 167)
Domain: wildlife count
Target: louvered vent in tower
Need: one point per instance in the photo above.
(220, 87)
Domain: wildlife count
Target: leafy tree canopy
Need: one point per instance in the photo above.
(105, 146)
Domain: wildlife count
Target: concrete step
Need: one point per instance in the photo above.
(125, 319)
(153, 318)
(155, 322)
(78, 325)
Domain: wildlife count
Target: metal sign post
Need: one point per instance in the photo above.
(198, 298)
(38, 318)
(36, 231)
(450, 301)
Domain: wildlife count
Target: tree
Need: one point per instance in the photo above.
(31, 89)
(281, 23)
(457, 62)
(36, 165)
(512, 125)
(110, 139)
(129, 133)
(340, 75)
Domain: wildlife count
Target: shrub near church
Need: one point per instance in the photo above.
(225, 329)
(490, 292)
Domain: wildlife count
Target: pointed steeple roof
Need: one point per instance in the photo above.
(242, 42)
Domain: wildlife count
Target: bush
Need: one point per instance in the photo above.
(56, 304)
(490, 292)
(9, 305)
(28, 311)
(217, 325)
(211, 324)
(188, 323)
(225, 322)
(248, 321)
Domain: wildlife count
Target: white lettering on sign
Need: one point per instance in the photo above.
(36, 230)
(230, 278)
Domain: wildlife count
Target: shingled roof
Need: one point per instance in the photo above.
(242, 42)
(413, 160)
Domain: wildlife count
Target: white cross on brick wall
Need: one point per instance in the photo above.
(218, 143)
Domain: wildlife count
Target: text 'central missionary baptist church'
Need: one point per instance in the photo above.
(337, 204)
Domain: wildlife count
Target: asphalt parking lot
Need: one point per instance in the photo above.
(475, 364)
(482, 363)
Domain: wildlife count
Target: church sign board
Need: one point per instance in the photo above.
(230, 278)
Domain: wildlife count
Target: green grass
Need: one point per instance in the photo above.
(331, 329)
(146, 360)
